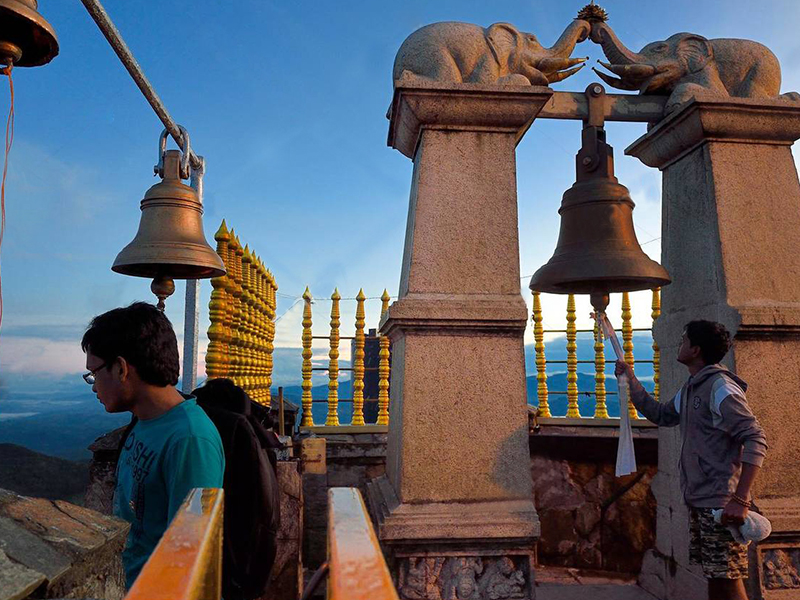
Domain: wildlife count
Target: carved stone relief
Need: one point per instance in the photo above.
(464, 578)
(781, 568)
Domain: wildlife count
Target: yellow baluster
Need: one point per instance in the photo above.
(600, 410)
(627, 342)
(240, 325)
(272, 305)
(541, 361)
(247, 299)
(572, 360)
(358, 362)
(308, 418)
(656, 351)
(333, 363)
(216, 356)
(235, 294)
(258, 331)
(383, 369)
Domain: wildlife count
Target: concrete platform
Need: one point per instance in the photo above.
(572, 584)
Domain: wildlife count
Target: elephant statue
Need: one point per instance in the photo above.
(455, 52)
(686, 66)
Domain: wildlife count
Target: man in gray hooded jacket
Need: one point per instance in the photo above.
(722, 449)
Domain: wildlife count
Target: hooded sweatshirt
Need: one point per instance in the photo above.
(718, 433)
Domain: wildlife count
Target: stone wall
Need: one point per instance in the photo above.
(54, 549)
(590, 519)
(352, 459)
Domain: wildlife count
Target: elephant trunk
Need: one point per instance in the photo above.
(615, 51)
(577, 31)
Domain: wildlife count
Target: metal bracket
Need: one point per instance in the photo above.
(616, 107)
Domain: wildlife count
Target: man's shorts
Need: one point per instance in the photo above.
(712, 547)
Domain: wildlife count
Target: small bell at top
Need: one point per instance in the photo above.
(170, 243)
(597, 251)
(26, 39)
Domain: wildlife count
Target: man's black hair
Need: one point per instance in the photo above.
(142, 335)
(712, 338)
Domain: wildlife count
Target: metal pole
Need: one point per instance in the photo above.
(191, 316)
(100, 16)
(281, 430)
(192, 311)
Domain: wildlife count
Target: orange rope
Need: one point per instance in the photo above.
(9, 142)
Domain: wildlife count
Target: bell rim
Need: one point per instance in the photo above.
(35, 18)
(153, 269)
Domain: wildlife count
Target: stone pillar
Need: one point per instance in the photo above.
(731, 242)
(455, 510)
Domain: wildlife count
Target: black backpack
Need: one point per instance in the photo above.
(252, 495)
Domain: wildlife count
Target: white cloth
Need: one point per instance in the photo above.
(755, 528)
(626, 457)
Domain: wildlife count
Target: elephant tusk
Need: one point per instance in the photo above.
(550, 65)
(614, 82)
(637, 71)
(561, 75)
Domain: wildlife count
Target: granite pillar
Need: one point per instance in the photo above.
(454, 510)
(731, 242)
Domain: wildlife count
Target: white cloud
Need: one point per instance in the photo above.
(35, 355)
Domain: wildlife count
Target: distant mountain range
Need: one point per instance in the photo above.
(33, 474)
(61, 416)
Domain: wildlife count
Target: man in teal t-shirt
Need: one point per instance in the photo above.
(132, 358)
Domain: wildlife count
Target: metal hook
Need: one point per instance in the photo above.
(186, 149)
(186, 169)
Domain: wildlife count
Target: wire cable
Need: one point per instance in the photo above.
(9, 142)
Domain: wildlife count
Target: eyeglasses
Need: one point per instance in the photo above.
(89, 376)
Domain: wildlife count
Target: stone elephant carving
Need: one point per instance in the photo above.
(686, 66)
(465, 53)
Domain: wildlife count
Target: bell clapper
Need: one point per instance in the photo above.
(163, 287)
(10, 53)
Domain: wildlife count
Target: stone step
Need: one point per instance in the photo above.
(576, 591)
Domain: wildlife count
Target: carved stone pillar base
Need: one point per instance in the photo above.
(730, 239)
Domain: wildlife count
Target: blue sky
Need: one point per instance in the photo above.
(286, 100)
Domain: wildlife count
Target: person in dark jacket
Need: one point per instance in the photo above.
(252, 497)
(722, 449)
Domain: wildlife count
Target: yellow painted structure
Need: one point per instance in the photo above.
(627, 342)
(357, 569)
(656, 308)
(358, 362)
(383, 368)
(333, 363)
(332, 423)
(572, 360)
(308, 419)
(600, 362)
(242, 314)
(187, 562)
(600, 409)
(541, 361)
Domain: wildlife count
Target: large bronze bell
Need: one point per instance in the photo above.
(597, 251)
(170, 243)
(26, 39)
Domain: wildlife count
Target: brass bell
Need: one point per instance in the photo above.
(597, 251)
(26, 39)
(170, 243)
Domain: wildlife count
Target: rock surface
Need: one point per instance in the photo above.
(58, 549)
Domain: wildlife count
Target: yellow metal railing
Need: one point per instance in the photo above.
(187, 562)
(242, 315)
(333, 369)
(600, 362)
(357, 569)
